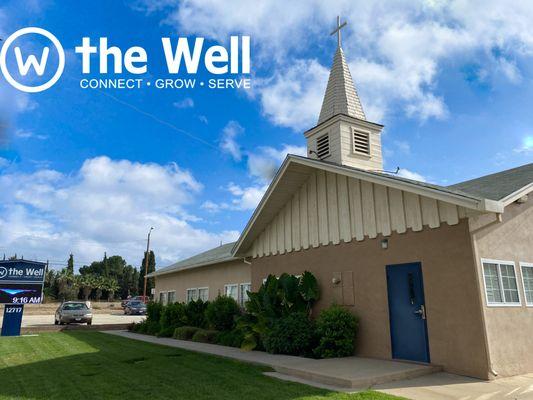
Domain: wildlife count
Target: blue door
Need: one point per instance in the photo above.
(407, 312)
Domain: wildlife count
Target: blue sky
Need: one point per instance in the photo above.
(88, 171)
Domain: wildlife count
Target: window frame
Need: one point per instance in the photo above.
(187, 295)
(249, 284)
(203, 288)
(500, 281)
(226, 293)
(526, 265)
(163, 297)
(168, 297)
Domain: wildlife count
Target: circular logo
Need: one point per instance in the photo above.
(3, 272)
(3, 65)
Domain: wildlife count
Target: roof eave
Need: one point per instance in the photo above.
(511, 198)
(172, 271)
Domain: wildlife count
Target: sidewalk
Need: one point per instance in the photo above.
(336, 373)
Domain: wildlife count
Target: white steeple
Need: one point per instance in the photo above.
(343, 135)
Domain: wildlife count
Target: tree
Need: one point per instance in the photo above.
(87, 284)
(111, 285)
(68, 285)
(100, 286)
(70, 264)
(151, 268)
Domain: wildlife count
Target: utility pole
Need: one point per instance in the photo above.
(146, 262)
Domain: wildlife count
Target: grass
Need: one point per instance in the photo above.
(89, 365)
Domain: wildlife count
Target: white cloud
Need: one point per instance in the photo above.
(526, 147)
(228, 142)
(107, 205)
(403, 146)
(24, 134)
(293, 96)
(405, 173)
(265, 162)
(185, 103)
(396, 49)
(246, 198)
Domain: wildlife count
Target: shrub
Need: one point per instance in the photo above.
(154, 311)
(233, 338)
(292, 335)
(173, 316)
(205, 336)
(336, 330)
(185, 332)
(195, 313)
(221, 313)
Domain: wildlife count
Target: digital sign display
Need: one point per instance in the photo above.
(21, 282)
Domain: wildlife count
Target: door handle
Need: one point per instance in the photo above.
(421, 311)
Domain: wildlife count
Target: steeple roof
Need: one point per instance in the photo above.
(341, 96)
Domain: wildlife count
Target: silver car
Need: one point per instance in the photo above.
(73, 312)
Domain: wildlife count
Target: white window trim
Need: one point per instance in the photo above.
(503, 304)
(200, 288)
(164, 300)
(171, 291)
(187, 294)
(527, 265)
(232, 284)
(240, 290)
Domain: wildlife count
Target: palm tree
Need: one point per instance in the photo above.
(87, 284)
(112, 286)
(99, 285)
(67, 285)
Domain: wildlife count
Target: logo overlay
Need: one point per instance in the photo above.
(205, 66)
(25, 65)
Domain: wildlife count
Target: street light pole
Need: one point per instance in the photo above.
(146, 263)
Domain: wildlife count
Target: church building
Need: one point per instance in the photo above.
(439, 275)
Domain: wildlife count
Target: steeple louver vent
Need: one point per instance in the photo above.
(361, 142)
(322, 146)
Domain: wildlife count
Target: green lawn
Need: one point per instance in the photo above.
(92, 365)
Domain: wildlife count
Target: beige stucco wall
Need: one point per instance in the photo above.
(455, 326)
(509, 329)
(214, 277)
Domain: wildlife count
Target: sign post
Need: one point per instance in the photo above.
(21, 282)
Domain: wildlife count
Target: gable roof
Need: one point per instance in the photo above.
(501, 185)
(295, 170)
(217, 255)
(341, 96)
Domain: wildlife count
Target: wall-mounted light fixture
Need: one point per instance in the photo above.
(335, 281)
(385, 244)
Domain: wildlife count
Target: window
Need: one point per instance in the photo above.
(203, 293)
(171, 297)
(245, 287)
(192, 294)
(361, 142)
(527, 280)
(232, 291)
(322, 146)
(500, 283)
(163, 297)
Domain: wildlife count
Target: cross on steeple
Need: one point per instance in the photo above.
(338, 30)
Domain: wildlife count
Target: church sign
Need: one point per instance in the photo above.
(21, 282)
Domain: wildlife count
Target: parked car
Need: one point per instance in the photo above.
(135, 307)
(73, 311)
(135, 298)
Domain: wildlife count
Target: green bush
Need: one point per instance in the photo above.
(233, 338)
(292, 335)
(154, 311)
(173, 316)
(185, 332)
(205, 336)
(221, 313)
(336, 330)
(195, 313)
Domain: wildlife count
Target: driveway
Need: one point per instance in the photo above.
(116, 317)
